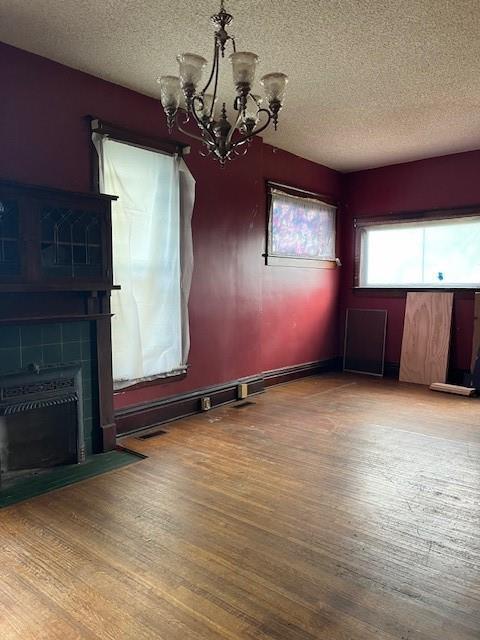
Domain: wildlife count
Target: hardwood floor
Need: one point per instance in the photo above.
(334, 508)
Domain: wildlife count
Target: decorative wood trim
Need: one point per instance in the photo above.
(152, 382)
(297, 191)
(48, 285)
(109, 436)
(40, 191)
(114, 132)
(401, 292)
(149, 414)
(305, 263)
(391, 370)
(413, 216)
(287, 374)
(104, 369)
(54, 318)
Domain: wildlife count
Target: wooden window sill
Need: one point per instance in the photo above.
(305, 263)
(401, 292)
(153, 382)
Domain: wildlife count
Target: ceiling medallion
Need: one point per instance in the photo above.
(222, 140)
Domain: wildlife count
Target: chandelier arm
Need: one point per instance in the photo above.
(214, 65)
(215, 87)
(193, 135)
(201, 124)
(242, 152)
(256, 131)
(234, 126)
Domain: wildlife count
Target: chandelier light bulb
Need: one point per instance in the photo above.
(244, 64)
(275, 85)
(170, 91)
(191, 68)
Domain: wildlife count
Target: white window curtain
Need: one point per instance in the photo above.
(152, 259)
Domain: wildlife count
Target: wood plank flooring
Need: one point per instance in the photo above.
(336, 507)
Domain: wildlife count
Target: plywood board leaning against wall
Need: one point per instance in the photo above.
(426, 337)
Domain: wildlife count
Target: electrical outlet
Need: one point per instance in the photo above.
(205, 403)
(242, 391)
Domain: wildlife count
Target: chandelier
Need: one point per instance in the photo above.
(222, 140)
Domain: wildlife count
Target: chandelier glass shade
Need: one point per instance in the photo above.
(253, 113)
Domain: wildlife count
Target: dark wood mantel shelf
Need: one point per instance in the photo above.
(54, 318)
(43, 287)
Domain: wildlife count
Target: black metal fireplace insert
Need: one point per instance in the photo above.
(41, 421)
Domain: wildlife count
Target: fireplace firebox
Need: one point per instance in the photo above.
(41, 421)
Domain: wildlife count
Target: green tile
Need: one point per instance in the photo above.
(10, 360)
(71, 352)
(71, 331)
(86, 351)
(88, 446)
(31, 335)
(87, 388)
(86, 371)
(52, 354)
(85, 331)
(32, 355)
(87, 409)
(65, 475)
(88, 427)
(9, 336)
(51, 333)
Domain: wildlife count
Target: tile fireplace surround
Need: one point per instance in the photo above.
(55, 345)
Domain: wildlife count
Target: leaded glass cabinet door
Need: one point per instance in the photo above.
(54, 239)
(71, 243)
(10, 238)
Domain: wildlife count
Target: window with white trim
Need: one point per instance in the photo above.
(420, 253)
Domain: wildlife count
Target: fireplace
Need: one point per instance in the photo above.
(41, 421)
(55, 281)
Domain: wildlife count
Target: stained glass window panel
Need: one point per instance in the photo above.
(301, 227)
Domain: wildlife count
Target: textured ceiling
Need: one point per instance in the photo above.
(372, 82)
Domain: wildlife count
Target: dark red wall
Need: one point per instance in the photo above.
(244, 317)
(299, 306)
(447, 181)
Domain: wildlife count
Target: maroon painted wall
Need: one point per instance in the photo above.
(299, 306)
(447, 181)
(244, 317)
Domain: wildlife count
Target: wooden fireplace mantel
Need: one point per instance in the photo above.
(56, 266)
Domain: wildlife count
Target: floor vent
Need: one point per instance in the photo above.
(152, 434)
(241, 405)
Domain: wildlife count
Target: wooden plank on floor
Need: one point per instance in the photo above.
(452, 388)
(426, 337)
(476, 331)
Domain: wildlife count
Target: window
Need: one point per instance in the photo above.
(152, 259)
(420, 253)
(301, 231)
